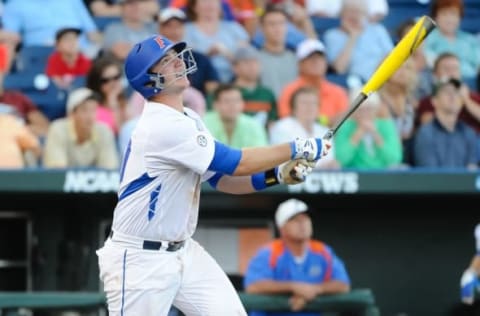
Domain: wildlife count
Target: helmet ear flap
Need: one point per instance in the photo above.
(157, 82)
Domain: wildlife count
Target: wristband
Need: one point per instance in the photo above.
(263, 180)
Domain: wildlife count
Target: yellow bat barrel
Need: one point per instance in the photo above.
(399, 54)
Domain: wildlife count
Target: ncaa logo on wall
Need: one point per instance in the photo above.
(202, 140)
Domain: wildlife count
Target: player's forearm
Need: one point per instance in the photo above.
(260, 159)
(235, 185)
(333, 287)
(270, 287)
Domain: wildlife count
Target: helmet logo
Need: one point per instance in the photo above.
(160, 41)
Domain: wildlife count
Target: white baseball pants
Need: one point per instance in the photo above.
(140, 282)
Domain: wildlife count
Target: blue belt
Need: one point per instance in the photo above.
(156, 245)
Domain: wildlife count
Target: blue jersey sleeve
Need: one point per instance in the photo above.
(339, 272)
(225, 159)
(258, 268)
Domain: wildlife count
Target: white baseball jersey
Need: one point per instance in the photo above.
(161, 174)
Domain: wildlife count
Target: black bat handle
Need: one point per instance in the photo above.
(329, 134)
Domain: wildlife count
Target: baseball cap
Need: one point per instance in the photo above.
(244, 53)
(77, 97)
(66, 30)
(171, 13)
(445, 82)
(308, 47)
(289, 209)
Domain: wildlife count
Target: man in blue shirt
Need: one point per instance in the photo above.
(295, 264)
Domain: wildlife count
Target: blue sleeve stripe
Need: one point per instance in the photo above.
(213, 181)
(319, 148)
(293, 148)
(225, 159)
(258, 181)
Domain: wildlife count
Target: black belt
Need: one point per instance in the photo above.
(156, 245)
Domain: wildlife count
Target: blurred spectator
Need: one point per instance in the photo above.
(423, 86)
(349, 47)
(119, 37)
(259, 101)
(312, 65)
(278, 64)
(22, 106)
(16, 139)
(105, 79)
(295, 264)
(297, 15)
(78, 140)
(376, 9)
(67, 61)
(209, 34)
(226, 6)
(113, 8)
(293, 35)
(34, 24)
(229, 124)
(470, 282)
(171, 24)
(303, 124)
(447, 65)
(399, 103)
(446, 141)
(366, 139)
(8, 44)
(243, 11)
(448, 37)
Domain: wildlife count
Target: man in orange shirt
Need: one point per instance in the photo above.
(312, 68)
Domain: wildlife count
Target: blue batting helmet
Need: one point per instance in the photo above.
(144, 55)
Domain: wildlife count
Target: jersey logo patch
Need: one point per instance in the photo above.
(315, 271)
(202, 140)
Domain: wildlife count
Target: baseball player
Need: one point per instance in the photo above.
(469, 282)
(150, 262)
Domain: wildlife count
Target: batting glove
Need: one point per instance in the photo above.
(310, 149)
(467, 285)
(294, 171)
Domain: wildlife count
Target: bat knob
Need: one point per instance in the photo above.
(328, 135)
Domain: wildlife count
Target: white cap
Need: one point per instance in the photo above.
(289, 209)
(171, 13)
(77, 97)
(308, 47)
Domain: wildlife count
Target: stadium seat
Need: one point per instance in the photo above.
(47, 96)
(470, 21)
(321, 24)
(338, 79)
(400, 12)
(103, 21)
(33, 58)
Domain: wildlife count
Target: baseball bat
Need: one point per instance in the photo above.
(397, 56)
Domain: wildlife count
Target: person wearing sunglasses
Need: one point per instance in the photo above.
(105, 79)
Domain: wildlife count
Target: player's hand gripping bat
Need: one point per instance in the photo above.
(401, 52)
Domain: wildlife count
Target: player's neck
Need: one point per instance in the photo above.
(172, 100)
(296, 247)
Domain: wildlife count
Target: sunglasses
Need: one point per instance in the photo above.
(112, 78)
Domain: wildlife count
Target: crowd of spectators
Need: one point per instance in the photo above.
(266, 74)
